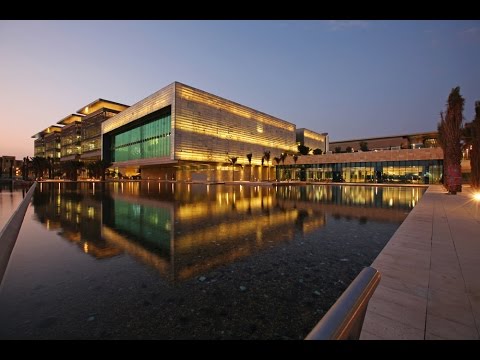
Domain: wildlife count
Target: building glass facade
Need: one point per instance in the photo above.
(70, 141)
(405, 172)
(53, 146)
(149, 140)
(198, 139)
(39, 147)
(92, 133)
(151, 225)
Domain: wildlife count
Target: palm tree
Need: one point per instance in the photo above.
(91, 168)
(277, 160)
(71, 168)
(283, 156)
(261, 171)
(26, 167)
(304, 150)
(266, 155)
(100, 167)
(51, 162)
(450, 133)
(39, 165)
(475, 154)
(249, 157)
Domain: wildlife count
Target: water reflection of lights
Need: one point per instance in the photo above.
(254, 214)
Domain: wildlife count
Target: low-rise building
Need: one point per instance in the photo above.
(184, 133)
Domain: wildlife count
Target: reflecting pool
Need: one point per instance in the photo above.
(10, 198)
(159, 260)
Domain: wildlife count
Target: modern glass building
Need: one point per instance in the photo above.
(39, 143)
(70, 139)
(93, 115)
(414, 166)
(393, 142)
(184, 133)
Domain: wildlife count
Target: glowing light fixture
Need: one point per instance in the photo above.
(476, 196)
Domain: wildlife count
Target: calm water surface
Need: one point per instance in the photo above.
(10, 198)
(140, 260)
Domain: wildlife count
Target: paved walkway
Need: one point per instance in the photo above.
(430, 286)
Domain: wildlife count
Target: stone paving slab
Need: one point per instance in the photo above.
(430, 286)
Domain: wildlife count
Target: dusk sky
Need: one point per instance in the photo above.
(352, 79)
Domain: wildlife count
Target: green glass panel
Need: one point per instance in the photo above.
(143, 142)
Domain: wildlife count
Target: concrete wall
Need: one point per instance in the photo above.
(372, 143)
(210, 128)
(368, 156)
(312, 139)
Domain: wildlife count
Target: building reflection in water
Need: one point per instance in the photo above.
(185, 230)
(74, 211)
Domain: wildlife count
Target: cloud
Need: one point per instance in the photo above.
(336, 25)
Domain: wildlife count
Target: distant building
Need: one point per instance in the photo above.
(415, 166)
(39, 148)
(94, 114)
(183, 133)
(77, 136)
(8, 166)
(409, 158)
(71, 137)
(395, 142)
(312, 139)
